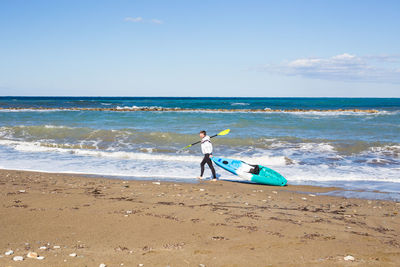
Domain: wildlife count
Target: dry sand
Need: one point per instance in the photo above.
(128, 223)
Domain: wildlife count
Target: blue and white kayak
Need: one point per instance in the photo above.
(253, 173)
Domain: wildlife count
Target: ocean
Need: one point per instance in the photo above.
(321, 144)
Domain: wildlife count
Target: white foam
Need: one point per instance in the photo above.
(378, 161)
(54, 127)
(137, 108)
(36, 156)
(325, 173)
(240, 104)
(393, 150)
(115, 165)
(23, 156)
(24, 146)
(306, 147)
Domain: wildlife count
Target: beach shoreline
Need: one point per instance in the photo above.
(344, 142)
(159, 223)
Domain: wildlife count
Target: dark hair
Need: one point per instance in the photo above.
(203, 132)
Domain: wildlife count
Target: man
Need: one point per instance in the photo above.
(206, 149)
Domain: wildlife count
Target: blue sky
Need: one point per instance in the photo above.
(200, 48)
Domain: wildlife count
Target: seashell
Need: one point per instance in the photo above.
(72, 255)
(8, 253)
(32, 255)
(349, 258)
(18, 258)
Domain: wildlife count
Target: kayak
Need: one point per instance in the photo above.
(252, 173)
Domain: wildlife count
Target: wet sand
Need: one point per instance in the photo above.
(129, 223)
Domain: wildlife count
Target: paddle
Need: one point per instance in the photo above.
(224, 132)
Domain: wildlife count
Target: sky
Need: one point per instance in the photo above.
(307, 48)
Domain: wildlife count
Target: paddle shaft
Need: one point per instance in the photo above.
(224, 132)
(200, 141)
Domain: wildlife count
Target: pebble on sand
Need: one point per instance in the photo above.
(18, 258)
(72, 255)
(43, 248)
(32, 255)
(56, 247)
(102, 265)
(349, 258)
(157, 183)
(8, 253)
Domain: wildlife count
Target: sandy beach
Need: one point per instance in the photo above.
(112, 111)
(73, 220)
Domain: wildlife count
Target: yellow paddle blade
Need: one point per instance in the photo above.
(187, 146)
(224, 132)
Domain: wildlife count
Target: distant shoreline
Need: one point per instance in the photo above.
(208, 97)
(266, 110)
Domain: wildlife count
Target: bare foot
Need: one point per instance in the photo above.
(214, 180)
(200, 177)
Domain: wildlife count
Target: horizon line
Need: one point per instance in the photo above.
(204, 96)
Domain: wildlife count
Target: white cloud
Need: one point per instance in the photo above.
(140, 19)
(343, 67)
(131, 19)
(157, 21)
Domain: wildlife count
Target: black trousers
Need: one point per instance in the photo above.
(207, 160)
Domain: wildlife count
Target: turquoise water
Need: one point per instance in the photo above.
(203, 102)
(355, 150)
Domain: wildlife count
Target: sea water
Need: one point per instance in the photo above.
(353, 150)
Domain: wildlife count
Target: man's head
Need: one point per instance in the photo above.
(202, 134)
